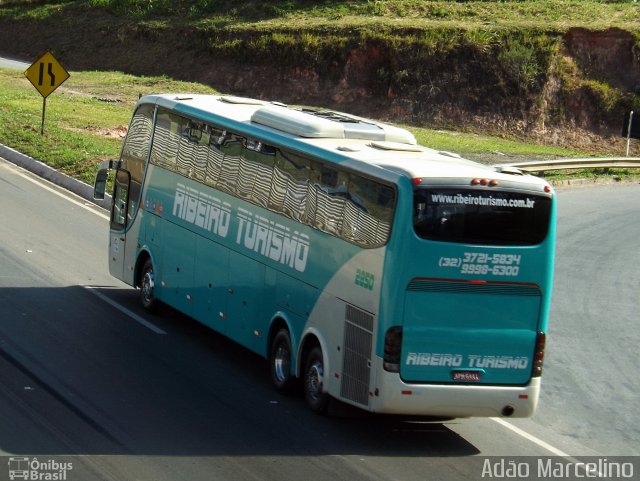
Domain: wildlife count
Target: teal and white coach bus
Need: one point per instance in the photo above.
(379, 272)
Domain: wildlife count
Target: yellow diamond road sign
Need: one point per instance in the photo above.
(46, 74)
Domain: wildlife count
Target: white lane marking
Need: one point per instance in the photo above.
(66, 195)
(124, 310)
(545, 445)
(531, 437)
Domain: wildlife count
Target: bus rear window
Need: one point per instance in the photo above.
(481, 217)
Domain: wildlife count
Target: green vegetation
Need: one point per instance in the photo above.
(296, 14)
(458, 65)
(543, 13)
(432, 47)
(585, 176)
(86, 118)
(475, 145)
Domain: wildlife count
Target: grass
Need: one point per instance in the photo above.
(408, 12)
(591, 175)
(473, 144)
(295, 14)
(87, 117)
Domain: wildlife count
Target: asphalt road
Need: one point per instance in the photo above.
(85, 373)
(14, 64)
(590, 395)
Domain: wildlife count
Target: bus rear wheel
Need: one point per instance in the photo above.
(317, 399)
(280, 362)
(147, 288)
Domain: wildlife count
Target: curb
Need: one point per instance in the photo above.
(43, 170)
(580, 182)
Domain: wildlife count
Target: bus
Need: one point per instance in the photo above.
(363, 266)
(19, 468)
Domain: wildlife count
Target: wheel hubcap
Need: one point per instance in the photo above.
(315, 376)
(281, 363)
(147, 288)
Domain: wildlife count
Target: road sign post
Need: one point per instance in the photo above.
(46, 74)
(631, 127)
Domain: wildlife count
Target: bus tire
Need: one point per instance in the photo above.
(280, 362)
(147, 288)
(314, 375)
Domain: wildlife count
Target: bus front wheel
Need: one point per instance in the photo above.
(280, 362)
(317, 399)
(147, 288)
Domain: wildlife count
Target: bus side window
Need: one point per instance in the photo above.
(247, 171)
(214, 156)
(292, 173)
(232, 156)
(278, 187)
(260, 158)
(191, 135)
(369, 213)
(311, 208)
(385, 203)
(166, 140)
(201, 154)
(331, 195)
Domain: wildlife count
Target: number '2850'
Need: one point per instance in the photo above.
(365, 279)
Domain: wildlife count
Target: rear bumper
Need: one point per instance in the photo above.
(451, 400)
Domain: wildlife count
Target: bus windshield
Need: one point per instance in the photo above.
(480, 217)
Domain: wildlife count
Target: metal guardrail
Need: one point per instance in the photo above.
(587, 163)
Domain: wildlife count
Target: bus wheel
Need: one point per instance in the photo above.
(280, 362)
(314, 381)
(147, 288)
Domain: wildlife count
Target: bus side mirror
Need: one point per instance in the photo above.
(100, 184)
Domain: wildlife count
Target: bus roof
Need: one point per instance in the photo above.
(342, 137)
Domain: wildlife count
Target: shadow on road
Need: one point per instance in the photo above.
(82, 377)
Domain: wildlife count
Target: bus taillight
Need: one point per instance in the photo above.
(392, 349)
(538, 355)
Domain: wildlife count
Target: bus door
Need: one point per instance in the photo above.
(118, 237)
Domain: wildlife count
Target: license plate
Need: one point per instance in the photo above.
(466, 376)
